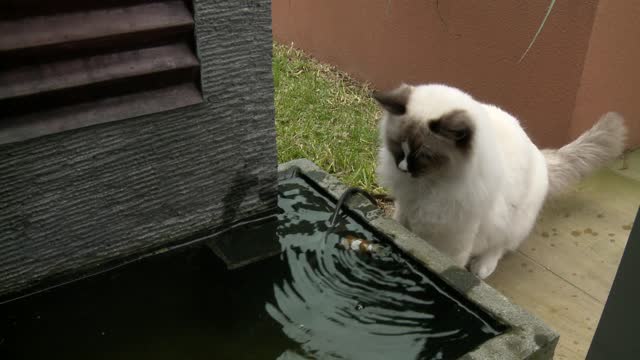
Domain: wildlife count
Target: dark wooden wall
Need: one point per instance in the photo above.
(76, 199)
(69, 64)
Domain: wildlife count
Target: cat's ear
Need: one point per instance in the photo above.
(394, 101)
(455, 126)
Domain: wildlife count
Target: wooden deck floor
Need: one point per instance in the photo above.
(564, 272)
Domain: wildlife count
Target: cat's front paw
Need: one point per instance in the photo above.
(482, 269)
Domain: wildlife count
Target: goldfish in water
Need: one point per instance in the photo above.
(351, 242)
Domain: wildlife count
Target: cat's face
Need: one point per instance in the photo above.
(424, 135)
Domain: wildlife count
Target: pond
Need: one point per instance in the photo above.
(286, 289)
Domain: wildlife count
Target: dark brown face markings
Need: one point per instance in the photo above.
(420, 159)
(455, 126)
(424, 161)
(395, 147)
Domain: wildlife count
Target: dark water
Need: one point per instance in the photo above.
(313, 301)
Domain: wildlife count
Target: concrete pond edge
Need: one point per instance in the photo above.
(527, 336)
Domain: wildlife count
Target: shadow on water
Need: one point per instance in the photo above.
(316, 299)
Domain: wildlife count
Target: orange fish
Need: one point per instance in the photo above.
(351, 242)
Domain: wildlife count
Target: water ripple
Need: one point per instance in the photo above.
(358, 305)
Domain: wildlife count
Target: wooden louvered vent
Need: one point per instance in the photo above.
(67, 64)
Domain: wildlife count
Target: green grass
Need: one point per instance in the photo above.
(326, 117)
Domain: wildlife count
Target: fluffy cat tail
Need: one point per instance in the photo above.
(592, 150)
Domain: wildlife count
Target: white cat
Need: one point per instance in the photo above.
(466, 177)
